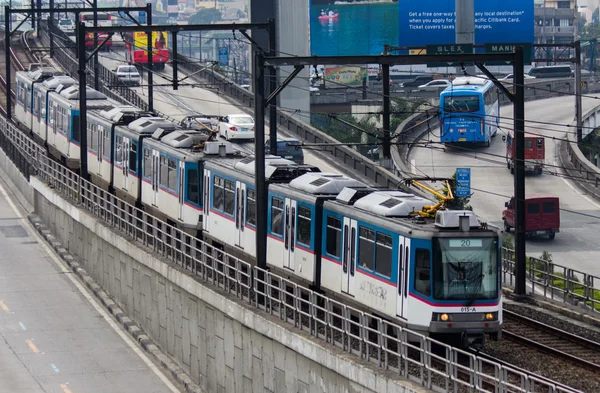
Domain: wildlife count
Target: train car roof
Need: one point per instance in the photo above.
(39, 74)
(55, 81)
(72, 93)
(277, 169)
(392, 203)
(190, 144)
(324, 183)
(149, 125)
(123, 114)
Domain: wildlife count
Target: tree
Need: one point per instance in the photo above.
(458, 203)
(205, 16)
(591, 31)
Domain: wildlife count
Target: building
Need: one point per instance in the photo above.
(555, 21)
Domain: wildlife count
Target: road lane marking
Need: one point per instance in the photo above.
(63, 267)
(64, 388)
(56, 370)
(32, 346)
(3, 306)
(22, 326)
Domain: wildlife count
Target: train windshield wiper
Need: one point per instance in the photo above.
(476, 291)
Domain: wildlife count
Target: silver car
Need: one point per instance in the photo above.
(128, 74)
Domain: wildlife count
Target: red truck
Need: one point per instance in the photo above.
(542, 215)
(535, 153)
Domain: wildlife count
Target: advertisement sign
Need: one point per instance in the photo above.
(338, 77)
(159, 39)
(424, 22)
(364, 27)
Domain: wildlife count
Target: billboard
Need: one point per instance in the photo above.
(424, 22)
(363, 28)
(159, 38)
(345, 76)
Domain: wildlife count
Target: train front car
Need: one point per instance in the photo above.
(464, 300)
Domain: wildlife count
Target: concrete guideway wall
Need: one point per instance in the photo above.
(223, 345)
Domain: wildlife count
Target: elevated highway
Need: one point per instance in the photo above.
(576, 246)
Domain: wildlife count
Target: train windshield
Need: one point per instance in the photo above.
(465, 269)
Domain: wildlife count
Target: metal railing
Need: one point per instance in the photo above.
(369, 337)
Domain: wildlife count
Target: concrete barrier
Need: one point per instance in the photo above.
(222, 344)
(583, 172)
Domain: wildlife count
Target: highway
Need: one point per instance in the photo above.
(193, 100)
(54, 336)
(577, 245)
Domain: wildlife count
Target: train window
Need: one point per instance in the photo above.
(366, 248)
(533, 208)
(218, 193)
(172, 175)
(383, 254)
(106, 141)
(76, 129)
(422, 272)
(164, 169)
(229, 197)
(548, 207)
(91, 136)
(147, 164)
(132, 157)
(277, 216)
(119, 150)
(251, 207)
(334, 236)
(193, 186)
(304, 218)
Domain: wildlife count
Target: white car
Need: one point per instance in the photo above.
(128, 74)
(435, 85)
(67, 25)
(237, 127)
(509, 77)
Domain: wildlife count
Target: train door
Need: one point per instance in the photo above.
(206, 200)
(289, 234)
(181, 188)
(240, 195)
(155, 176)
(100, 135)
(125, 157)
(350, 240)
(403, 276)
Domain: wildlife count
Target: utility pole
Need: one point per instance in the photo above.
(387, 140)
(465, 26)
(51, 28)
(82, 100)
(519, 126)
(272, 88)
(259, 160)
(7, 30)
(96, 65)
(150, 81)
(578, 103)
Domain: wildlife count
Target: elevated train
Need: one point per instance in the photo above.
(438, 276)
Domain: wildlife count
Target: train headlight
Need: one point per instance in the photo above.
(489, 316)
(444, 317)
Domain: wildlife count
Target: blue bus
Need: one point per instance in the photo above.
(469, 111)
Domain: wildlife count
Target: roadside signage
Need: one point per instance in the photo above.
(142, 18)
(448, 49)
(463, 182)
(223, 57)
(508, 48)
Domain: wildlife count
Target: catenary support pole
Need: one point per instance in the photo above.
(519, 164)
(51, 28)
(150, 80)
(96, 64)
(259, 161)
(7, 31)
(387, 150)
(465, 26)
(578, 103)
(80, 44)
(175, 61)
(272, 87)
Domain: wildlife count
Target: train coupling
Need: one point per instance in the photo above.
(473, 339)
